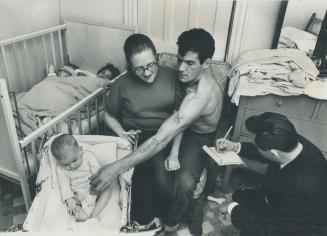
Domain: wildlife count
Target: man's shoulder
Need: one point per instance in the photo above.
(207, 83)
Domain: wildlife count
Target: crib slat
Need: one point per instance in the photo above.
(88, 117)
(53, 49)
(60, 46)
(27, 65)
(80, 122)
(5, 61)
(18, 115)
(97, 113)
(57, 128)
(34, 151)
(104, 100)
(69, 125)
(45, 54)
(26, 161)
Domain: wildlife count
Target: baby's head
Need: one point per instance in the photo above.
(67, 151)
(109, 72)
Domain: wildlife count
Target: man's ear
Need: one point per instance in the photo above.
(206, 63)
(275, 152)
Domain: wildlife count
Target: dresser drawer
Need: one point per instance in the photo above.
(300, 106)
(314, 131)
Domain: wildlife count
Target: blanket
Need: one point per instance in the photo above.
(52, 96)
(282, 71)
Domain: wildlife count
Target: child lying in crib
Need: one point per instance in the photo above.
(73, 171)
(109, 71)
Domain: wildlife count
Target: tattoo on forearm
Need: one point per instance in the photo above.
(154, 142)
(177, 118)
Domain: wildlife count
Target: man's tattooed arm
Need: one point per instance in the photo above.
(152, 144)
(177, 118)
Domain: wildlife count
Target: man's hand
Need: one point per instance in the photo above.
(71, 205)
(226, 145)
(223, 207)
(172, 163)
(104, 177)
(224, 217)
(131, 135)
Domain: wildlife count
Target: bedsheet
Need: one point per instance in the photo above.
(52, 96)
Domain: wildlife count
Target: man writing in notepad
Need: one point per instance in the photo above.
(292, 198)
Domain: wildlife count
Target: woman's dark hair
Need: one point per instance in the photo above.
(110, 67)
(137, 43)
(273, 131)
(198, 41)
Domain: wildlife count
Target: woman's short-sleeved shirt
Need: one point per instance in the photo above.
(146, 106)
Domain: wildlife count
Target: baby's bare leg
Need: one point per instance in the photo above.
(80, 214)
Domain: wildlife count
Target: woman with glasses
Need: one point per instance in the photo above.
(138, 104)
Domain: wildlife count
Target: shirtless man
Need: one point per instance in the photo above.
(198, 116)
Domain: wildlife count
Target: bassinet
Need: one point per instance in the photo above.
(47, 204)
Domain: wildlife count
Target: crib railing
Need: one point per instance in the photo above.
(78, 113)
(21, 57)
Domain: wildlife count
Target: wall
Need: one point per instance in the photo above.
(298, 12)
(254, 26)
(26, 16)
(164, 20)
(93, 11)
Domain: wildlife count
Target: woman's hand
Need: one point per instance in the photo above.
(71, 205)
(104, 177)
(226, 145)
(130, 135)
(172, 162)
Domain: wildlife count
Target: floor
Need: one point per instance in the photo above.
(12, 208)
(212, 225)
(13, 212)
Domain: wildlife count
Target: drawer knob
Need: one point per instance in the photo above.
(279, 103)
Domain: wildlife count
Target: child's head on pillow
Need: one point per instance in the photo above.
(109, 71)
(67, 151)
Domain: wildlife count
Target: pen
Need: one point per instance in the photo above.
(228, 131)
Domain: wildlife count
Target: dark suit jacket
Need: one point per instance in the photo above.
(297, 193)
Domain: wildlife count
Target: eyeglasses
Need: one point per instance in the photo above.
(141, 69)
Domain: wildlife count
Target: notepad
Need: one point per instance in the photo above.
(223, 158)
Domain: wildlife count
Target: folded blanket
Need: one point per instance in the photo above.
(52, 96)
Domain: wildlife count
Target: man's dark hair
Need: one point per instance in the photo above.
(60, 143)
(137, 43)
(198, 41)
(110, 67)
(273, 131)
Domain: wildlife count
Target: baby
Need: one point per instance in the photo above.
(74, 168)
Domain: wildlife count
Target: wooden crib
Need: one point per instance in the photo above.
(24, 61)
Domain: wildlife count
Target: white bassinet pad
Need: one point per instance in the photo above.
(53, 212)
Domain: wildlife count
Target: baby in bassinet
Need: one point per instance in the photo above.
(73, 171)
